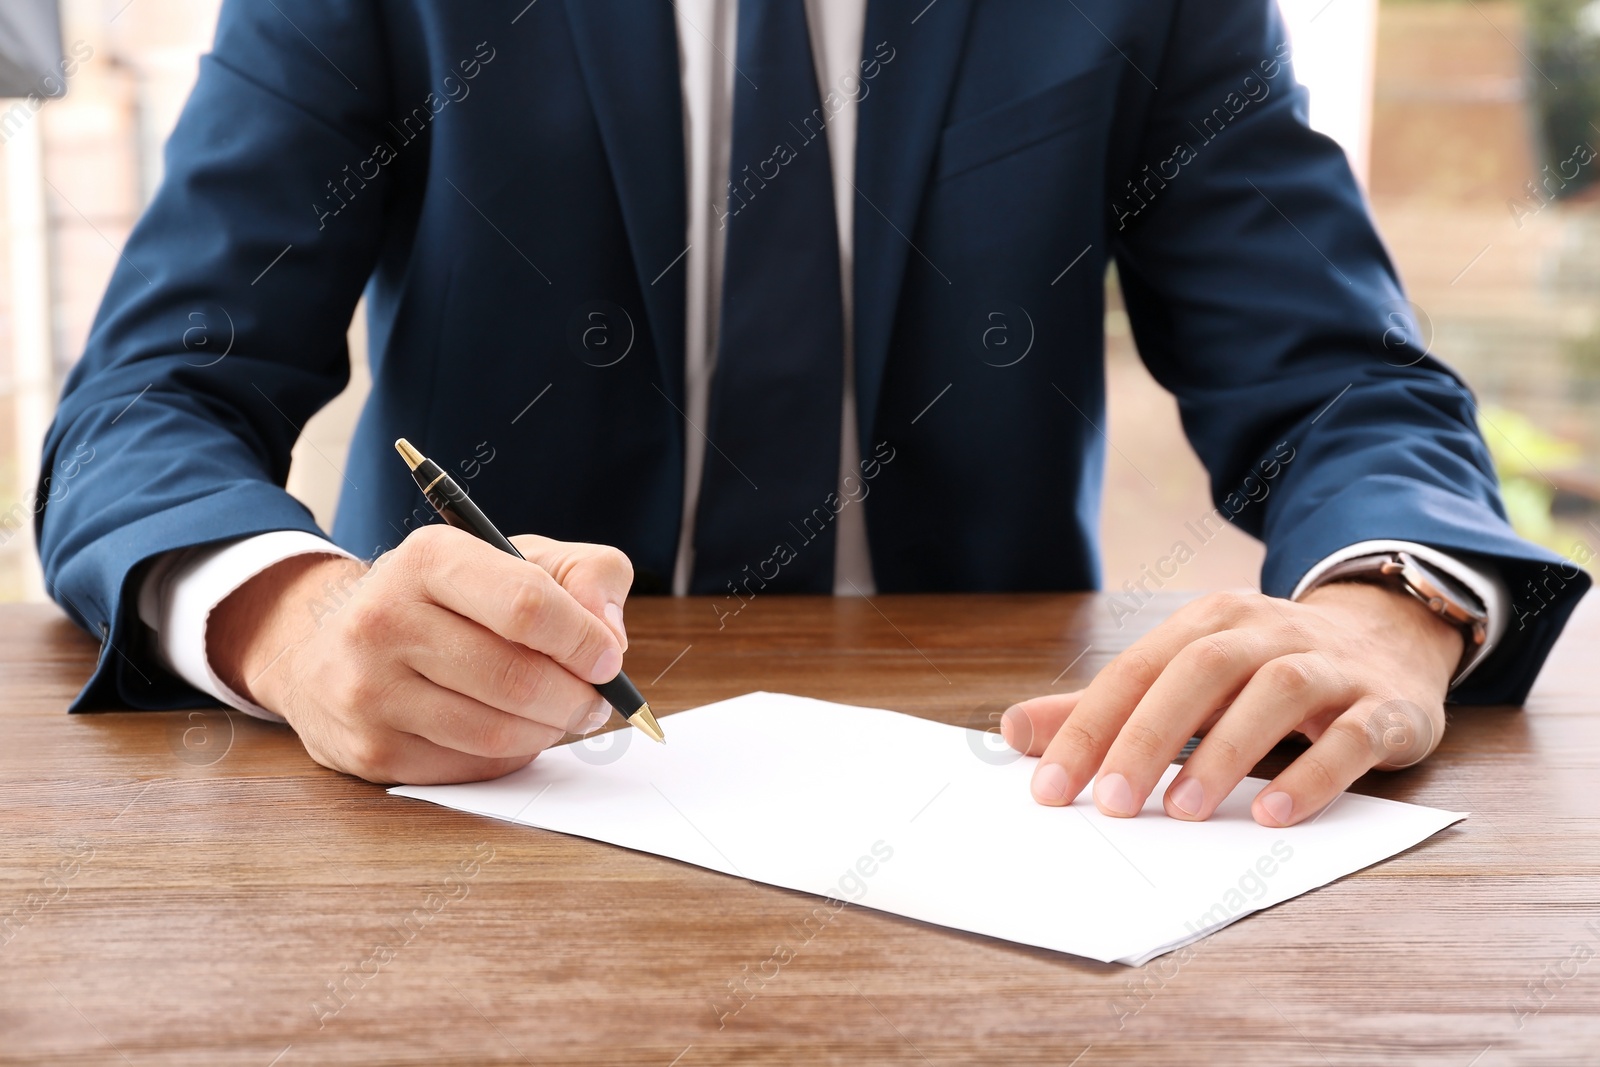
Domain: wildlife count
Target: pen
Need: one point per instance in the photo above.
(456, 508)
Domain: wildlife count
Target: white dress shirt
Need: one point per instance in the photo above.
(181, 590)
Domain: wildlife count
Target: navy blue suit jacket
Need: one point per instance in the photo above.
(491, 174)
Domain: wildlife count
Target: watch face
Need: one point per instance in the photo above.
(1431, 583)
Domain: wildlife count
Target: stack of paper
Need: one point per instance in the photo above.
(934, 822)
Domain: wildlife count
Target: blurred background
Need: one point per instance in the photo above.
(1473, 124)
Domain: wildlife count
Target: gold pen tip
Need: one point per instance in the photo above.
(645, 720)
(412, 457)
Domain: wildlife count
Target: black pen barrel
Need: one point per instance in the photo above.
(456, 507)
(622, 694)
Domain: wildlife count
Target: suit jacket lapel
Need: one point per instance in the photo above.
(899, 129)
(629, 55)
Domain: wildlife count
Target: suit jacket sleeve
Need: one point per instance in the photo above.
(1261, 295)
(223, 328)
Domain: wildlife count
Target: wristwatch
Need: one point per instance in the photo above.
(1439, 592)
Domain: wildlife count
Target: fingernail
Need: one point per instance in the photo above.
(614, 617)
(1050, 784)
(579, 719)
(597, 717)
(1114, 795)
(1010, 725)
(608, 666)
(1187, 796)
(1280, 806)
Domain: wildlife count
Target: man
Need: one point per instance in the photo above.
(692, 281)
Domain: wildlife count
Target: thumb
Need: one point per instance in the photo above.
(1029, 726)
(596, 576)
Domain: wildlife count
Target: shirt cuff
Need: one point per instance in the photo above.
(182, 588)
(1485, 583)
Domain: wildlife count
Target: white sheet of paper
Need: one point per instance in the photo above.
(933, 822)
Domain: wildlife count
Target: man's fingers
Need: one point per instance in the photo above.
(1029, 726)
(1080, 744)
(1078, 747)
(391, 757)
(461, 724)
(1402, 732)
(457, 654)
(517, 599)
(597, 576)
(1283, 694)
(1250, 670)
(1205, 675)
(1345, 751)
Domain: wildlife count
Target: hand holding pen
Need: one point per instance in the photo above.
(445, 660)
(457, 509)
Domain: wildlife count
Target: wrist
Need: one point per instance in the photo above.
(1400, 617)
(252, 628)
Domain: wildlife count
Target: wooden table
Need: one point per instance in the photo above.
(185, 888)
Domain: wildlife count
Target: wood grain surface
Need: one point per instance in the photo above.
(189, 888)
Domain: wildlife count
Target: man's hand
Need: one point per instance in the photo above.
(446, 660)
(1360, 670)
